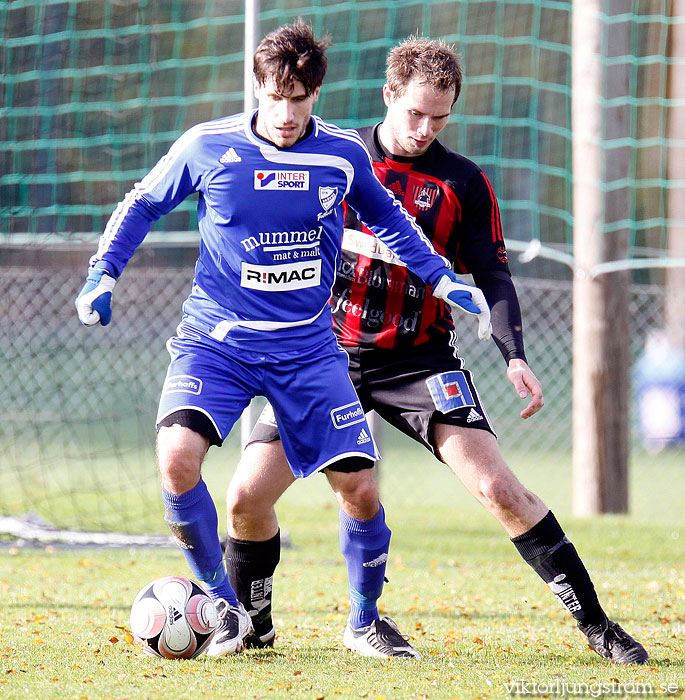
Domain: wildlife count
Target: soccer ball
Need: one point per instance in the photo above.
(174, 618)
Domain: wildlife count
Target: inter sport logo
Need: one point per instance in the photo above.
(281, 179)
(281, 278)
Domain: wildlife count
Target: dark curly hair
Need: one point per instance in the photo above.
(291, 53)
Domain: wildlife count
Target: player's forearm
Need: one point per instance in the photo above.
(404, 237)
(172, 179)
(507, 330)
(125, 231)
(414, 250)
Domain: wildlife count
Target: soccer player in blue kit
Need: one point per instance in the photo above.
(404, 364)
(271, 188)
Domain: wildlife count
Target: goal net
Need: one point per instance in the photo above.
(95, 91)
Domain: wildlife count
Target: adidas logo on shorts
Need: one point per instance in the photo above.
(363, 437)
(473, 416)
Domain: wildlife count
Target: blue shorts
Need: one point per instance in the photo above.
(319, 414)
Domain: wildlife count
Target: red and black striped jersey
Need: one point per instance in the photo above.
(376, 300)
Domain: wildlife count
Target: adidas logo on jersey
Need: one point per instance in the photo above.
(230, 157)
(473, 416)
(363, 437)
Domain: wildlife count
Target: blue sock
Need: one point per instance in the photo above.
(193, 522)
(365, 545)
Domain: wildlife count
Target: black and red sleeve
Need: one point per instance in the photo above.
(482, 252)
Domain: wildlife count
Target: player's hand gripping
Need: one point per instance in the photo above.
(526, 383)
(94, 301)
(465, 297)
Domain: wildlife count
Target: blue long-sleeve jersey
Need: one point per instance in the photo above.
(271, 224)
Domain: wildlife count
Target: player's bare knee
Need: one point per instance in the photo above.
(179, 471)
(365, 494)
(179, 475)
(502, 495)
(358, 495)
(179, 460)
(240, 502)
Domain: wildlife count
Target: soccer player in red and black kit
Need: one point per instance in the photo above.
(401, 344)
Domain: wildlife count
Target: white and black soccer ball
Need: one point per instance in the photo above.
(174, 618)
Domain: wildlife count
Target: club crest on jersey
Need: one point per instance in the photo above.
(450, 391)
(182, 383)
(280, 278)
(327, 197)
(349, 414)
(425, 195)
(281, 180)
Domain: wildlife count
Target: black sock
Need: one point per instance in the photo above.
(555, 560)
(251, 567)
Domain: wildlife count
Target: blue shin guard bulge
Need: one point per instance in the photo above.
(365, 545)
(193, 522)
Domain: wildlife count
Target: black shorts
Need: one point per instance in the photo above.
(410, 388)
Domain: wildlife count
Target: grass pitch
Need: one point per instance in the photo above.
(485, 624)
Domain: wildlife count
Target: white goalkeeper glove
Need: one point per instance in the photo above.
(94, 301)
(465, 297)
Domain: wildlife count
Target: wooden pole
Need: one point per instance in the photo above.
(600, 328)
(615, 287)
(675, 277)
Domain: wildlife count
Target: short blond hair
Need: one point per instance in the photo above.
(432, 61)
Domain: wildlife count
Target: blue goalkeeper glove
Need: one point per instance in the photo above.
(94, 301)
(465, 297)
